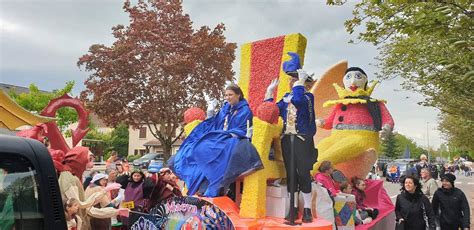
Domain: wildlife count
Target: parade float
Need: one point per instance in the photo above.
(258, 206)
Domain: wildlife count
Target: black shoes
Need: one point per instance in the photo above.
(307, 217)
(295, 214)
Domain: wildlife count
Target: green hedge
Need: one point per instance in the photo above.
(131, 158)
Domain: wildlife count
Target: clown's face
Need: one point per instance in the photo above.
(354, 80)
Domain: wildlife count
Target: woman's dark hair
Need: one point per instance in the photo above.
(325, 166)
(97, 182)
(416, 182)
(344, 185)
(236, 90)
(136, 171)
(356, 181)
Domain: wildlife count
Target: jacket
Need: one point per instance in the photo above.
(327, 183)
(360, 198)
(356, 117)
(451, 208)
(429, 187)
(304, 103)
(410, 208)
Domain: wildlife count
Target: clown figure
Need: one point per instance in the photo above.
(356, 121)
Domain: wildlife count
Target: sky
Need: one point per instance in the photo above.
(41, 41)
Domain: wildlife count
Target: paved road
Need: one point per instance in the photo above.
(466, 184)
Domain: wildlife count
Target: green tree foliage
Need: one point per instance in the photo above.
(390, 147)
(430, 45)
(106, 142)
(404, 141)
(459, 132)
(119, 139)
(157, 67)
(35, 101)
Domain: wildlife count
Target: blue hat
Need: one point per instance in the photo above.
(291, 66)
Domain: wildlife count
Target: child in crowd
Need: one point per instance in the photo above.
(361, 217)
(359, 193)
(71, 206)
(324, 178)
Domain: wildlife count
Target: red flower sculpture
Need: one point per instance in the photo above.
(193, 114)
(268, 111)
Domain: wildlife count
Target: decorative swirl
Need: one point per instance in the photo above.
(56, 139)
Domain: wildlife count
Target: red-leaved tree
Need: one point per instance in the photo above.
(157, 67)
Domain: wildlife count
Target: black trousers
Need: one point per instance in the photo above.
(305, 157)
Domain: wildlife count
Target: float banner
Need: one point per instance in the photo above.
(181, 213)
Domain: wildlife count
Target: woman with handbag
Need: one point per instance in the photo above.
(413, 209)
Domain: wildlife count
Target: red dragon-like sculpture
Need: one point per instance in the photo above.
(65, 158)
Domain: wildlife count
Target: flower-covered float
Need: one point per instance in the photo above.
(260, 206)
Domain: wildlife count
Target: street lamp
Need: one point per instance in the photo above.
(428, 142)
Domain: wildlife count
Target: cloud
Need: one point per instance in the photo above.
(44, 39)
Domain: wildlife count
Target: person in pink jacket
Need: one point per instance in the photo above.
(325, 179)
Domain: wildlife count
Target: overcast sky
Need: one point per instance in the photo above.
(41, 41)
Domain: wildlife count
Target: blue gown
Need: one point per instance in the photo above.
(217, 155)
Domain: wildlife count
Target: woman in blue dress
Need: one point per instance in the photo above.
(218, 150)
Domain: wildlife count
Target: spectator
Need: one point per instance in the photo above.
(422, 164)
(110, 163)
(441, 170)
(88, 179)
(412, 208)
(99, 185)
(428, 184)
(71, 207)
(393, 173)
(450, 205)
(361, 217)
(112, 178)
(324, 177)
(359, 193)
(434, 171)
(165, 187)
(137, 190)
(126, 165)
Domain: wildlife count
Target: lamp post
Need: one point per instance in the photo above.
(428, 141)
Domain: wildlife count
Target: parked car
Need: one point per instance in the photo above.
(407, 167)
(144, 161)
(155, 166)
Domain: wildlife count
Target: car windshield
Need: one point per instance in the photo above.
(149, 156)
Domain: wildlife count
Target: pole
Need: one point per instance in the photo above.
(428, 142)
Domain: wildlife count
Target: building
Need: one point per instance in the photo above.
(142, 141)
(17, 89)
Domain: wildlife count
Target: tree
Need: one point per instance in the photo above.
(157, 67)
(457, 131)
(35, 101)
(403, 141)
(430, 46)
(119, 139)
(106, 142)
(389, 146)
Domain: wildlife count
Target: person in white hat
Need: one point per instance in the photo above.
(99, 184)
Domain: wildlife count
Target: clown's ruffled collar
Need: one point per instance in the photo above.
(358, 96)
